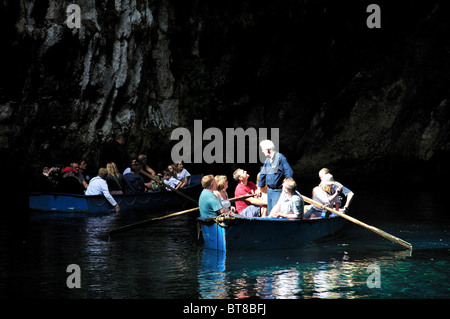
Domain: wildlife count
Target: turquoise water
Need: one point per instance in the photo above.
(166, 260)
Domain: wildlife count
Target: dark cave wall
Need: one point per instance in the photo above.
(364, 101)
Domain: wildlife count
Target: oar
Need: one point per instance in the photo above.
(168, 186)
(354, 220)
(149, 221)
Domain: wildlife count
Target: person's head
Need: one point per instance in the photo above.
(120, 139)
(327, 183)
(221, 182)
(172, 168)
(289, 185)
(179, 166)
(323, 171)
(142, 159)
(167, 174)
(112, 169)
(240, 175)
(75, 166)
(136, 167)
(102, 172)
(69, 171)
(82, 165)
(208, 182)
(267, 147)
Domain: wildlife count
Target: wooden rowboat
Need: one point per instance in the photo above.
(257, 233)
(98, 204)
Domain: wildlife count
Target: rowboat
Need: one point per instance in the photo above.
(258, 233)
(98, 204)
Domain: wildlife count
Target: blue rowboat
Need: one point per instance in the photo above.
(98, 204)
(257, 233)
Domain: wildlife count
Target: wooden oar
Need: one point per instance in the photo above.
(168, 186)
(149, 221)
(360, 223)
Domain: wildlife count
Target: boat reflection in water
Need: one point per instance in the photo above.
(316, 271)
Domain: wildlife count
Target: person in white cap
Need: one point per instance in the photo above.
(345, 191)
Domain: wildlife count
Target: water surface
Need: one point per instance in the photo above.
(166, 260)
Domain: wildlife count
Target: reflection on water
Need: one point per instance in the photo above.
(305, 274)
(166, 260)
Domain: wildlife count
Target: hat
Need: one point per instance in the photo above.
(328, 179)
(68, 170)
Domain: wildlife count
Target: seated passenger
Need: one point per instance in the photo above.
(171, 181)
(208, 203)
(98, 186)
(82, 175)
(128, 169)
(290, 205)
(326, 195)
(182, 174)
(345, 191)
(250, 207)
(221, 193)
(69, 183)
(45, 181)
(115, 180)
(173, 169)
(133, 181)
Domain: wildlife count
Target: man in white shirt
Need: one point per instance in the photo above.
(290, 205)
(98, 186)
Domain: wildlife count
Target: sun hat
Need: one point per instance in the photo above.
(328, 179)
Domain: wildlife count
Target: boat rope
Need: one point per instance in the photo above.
(103, 201)
(221, 219)
(132, 201)
(144, 201)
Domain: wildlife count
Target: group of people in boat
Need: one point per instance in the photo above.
(137, 177)
(275, 193)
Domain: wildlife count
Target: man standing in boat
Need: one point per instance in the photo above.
(275, 169)
(209, 204)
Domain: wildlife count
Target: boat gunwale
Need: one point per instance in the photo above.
(265, 219)
(114, 195)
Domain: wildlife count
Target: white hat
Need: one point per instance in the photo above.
(328, 179)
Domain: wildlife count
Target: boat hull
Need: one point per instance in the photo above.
(267, 233)
(98, 204)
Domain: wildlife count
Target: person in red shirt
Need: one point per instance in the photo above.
(250, 207)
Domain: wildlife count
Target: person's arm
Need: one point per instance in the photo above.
(182, 183)
(262, 179)
(256, 201)
(349, 199)
(108, 196)
(151, 170)
(285, 167)
(275, 212)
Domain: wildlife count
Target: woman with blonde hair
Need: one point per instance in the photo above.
(221, 193)
(114, 179)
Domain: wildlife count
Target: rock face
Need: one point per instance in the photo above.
(343, 95)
